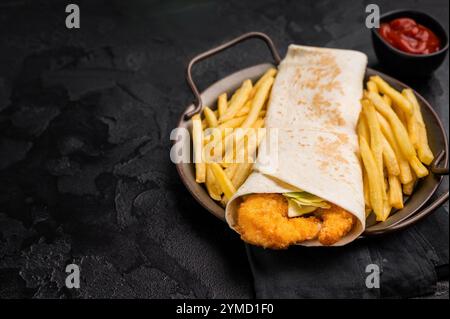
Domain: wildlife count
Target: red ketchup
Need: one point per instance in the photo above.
(407, 35)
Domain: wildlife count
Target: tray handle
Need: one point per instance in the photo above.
(435, 165)
(204, 55)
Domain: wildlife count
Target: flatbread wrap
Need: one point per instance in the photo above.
(307, 186)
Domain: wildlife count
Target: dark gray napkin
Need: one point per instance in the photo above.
(410, 263)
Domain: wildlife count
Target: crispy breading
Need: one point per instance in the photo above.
(336, 223)
(263, 221)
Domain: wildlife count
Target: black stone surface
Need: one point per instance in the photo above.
(85, 118)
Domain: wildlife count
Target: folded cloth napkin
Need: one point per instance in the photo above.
(410, 263)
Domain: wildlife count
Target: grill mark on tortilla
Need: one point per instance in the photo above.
(324, 165)
(342, 137)
(321, 108)
(323, 72)
(331, 149)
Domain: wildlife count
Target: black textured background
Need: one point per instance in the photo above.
(85, 117)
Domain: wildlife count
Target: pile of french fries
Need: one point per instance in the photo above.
(216, 163)
(393, 146)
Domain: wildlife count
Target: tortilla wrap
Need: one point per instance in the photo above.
(314, 107)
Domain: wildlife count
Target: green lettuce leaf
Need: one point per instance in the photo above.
(301, 203)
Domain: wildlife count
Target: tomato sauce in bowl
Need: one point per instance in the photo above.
(409, 36)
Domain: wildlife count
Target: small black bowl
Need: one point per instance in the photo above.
(406, 63)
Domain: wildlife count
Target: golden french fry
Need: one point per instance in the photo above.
(365, 92)
(233, 123)
(387, 210)
(396, 96)
(406, 175)
(208, 136)
(376, 144)
(269, 74)
(238, 102)
(248, 147)
(210, 117)
(245, 109)
(419, 169)
(412, 124)
(366, 190)
(397, 126)
(222, 179)
(362, 128)
(243, 170)
(205, 123)
(413, 130)
(402, 117)
(213, 148)
(246, 144)
(395, 192)
(372, 87)
(245, 157)
(408, 188)
(224, 143)
(230, 171)
(424, 152)
(376, 181)
(386, 128)
(197, 141)
(228, 144)
(212, 187)
(222, 104)
(236, 138)
(258, 102)
(224, 128)
(262, 114)
(389, 158)
(423, 149)
(387, 99)
(405, 169)
(258, 123)
(233, 97)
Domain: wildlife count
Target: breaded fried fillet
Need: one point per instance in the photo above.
(263, 221)
(336, 223)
